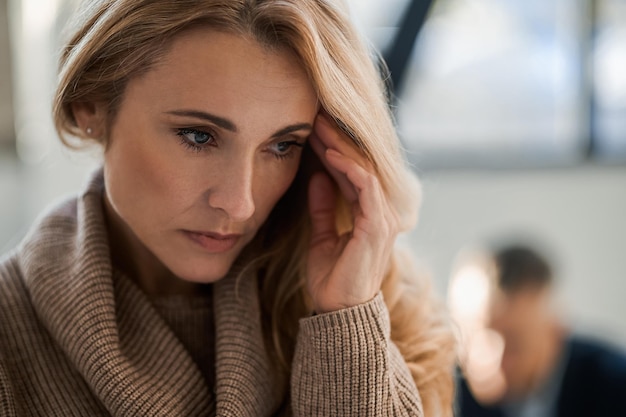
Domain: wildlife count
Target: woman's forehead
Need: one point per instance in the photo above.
(228, 75)
(209, 58)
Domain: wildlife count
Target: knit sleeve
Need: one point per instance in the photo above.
(345, 364)
(7, 405)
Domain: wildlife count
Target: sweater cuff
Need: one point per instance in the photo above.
(369, 320)
(346, 365)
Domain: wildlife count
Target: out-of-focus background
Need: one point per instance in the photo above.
(513, 113)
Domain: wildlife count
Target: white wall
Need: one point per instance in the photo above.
(579, 212)
(26, 190)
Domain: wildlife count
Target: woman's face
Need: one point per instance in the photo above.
(202, 148)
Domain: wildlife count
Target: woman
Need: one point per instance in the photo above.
(229, 257)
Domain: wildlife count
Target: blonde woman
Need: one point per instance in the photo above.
(234, 256)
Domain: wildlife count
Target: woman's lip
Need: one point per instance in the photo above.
(213, 242)
(215, 235)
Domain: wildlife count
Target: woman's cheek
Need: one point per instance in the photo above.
(275, 187)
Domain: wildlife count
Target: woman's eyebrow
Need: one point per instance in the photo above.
(229, 125)
(197, 114)
(293, 128)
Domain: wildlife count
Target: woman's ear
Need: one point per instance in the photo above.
(90, 118)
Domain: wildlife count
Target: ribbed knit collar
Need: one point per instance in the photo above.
(117, 341)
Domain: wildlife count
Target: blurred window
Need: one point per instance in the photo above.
(509, 82)
(35, 32)
(610, 79)
(7, 135)
(488, 82)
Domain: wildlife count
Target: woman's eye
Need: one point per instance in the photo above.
(195, 139)
(285, 148)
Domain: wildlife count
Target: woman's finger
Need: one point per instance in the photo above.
(334, 138)
(347, 189)
(322, 201)
(369, 195)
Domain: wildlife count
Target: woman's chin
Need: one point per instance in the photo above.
(202, 274)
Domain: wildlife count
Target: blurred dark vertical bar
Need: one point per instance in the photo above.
(588, 41)
(398, 55)
(7, 130)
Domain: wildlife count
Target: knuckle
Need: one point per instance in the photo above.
(371, 180)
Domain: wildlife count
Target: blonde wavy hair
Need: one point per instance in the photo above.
(113, 41)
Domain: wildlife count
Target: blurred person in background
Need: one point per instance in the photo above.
(546, 370)
(235, 255)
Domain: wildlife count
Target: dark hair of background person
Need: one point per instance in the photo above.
(520, 267)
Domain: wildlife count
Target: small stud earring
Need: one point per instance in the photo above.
(89, 131)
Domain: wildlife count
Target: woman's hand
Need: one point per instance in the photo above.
(348, 269)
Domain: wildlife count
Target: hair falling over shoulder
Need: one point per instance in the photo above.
(112, 41)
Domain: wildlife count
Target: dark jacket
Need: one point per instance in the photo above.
(593, 385)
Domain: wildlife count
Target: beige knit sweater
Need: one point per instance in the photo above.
(76, 341)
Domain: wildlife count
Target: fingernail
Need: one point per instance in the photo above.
(332, 153)
(324, 118)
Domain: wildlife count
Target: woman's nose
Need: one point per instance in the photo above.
(233, 191)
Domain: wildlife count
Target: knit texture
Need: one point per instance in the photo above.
(191, 320)
(77, 341)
